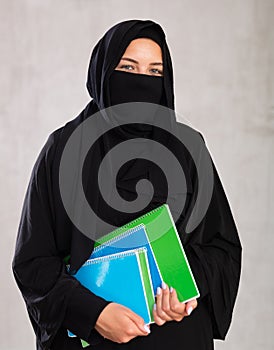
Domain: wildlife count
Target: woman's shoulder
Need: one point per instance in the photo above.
(64, 131)
(59, 136)
(55, 142)
(189, 134)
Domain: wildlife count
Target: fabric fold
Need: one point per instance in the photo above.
(52, 296)
(215, 253)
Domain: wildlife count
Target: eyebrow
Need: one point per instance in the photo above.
(134, 61)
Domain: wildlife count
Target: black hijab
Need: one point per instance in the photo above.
(104, 58)
(46, 235)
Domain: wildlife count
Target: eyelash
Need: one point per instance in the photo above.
(129, 65)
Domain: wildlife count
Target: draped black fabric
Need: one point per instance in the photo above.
(54, 299)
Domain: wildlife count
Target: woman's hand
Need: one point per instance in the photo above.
(169, 308)
(119, 324)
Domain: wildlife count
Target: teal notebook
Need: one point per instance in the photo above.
(123, 278)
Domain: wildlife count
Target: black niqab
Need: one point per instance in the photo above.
(55, 300)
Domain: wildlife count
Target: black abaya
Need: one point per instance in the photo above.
(54, 299)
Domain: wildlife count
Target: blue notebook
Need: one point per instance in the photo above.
(133, 238)
(123, 278)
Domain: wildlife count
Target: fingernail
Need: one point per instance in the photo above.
(154, 306)
(171, 289)
(189, 310)
(146, 328)
(158, 290)
(163, 285)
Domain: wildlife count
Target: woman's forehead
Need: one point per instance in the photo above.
(143, 49)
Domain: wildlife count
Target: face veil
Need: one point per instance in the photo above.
(129, 87)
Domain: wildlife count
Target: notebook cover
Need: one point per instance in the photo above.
(131, 239)
(167, 248)
(123, 278)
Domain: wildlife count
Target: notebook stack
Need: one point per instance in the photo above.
(128, 264)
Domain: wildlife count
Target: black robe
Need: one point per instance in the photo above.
(55, 300)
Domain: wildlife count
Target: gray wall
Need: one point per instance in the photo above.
(222, 54)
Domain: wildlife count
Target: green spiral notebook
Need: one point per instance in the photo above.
(167, 249)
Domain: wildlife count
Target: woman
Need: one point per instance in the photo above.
(130, 63)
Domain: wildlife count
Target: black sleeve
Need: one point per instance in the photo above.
(78, 320)
(214, 252)
(197, 270)
(52, 296)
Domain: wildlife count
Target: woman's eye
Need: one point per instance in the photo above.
(157, 71)
(126, 66)
(153, 71)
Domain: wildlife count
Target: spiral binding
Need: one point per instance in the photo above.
(115, 256)
(133, 221)
(118, 238)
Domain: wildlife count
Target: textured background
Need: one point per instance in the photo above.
(222, 51)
